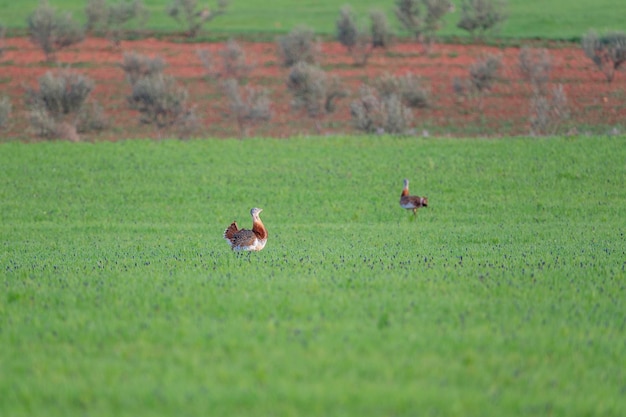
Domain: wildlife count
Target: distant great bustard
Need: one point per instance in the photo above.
(411, 202)
(244, 239)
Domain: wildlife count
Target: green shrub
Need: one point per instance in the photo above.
(52, 31)
(188, 13)
(356, 40)
(2, 34)
(249, 107)
(607, 51)
(381, 31)
(479, 17)
(422, 18)
(381, 114)
(347, 29)
(299, 45)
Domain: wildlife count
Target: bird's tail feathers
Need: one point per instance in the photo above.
(231, 230)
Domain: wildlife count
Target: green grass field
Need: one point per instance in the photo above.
(505, 297)
(553, 19)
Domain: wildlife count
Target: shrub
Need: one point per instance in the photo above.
(189, 14)
(381, 32)
(347, 29)
(137, 66)
(52, 31)
(113, 18)
(482, 75)
(355, 39)
(249, 107)
(2, 33)
(233, 62)
(56, 105)
(409, 88)
(607, 51)
(161, 102)
(479, 17)
(375, 113)
(422, 18)
(5, 111)
(313, 91)
(91, 118)
(548, 112)
(299, 45)
(535, 66)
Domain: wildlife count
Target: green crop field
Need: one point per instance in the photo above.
(554, 19)
(505, 297)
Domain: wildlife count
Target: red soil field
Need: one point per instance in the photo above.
(594, 104)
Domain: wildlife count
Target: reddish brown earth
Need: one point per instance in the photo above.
(505, 110)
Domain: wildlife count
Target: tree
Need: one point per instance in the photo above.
(422, 18)
(113, 18)
(188, 13)
(607, 51)
(479, 17)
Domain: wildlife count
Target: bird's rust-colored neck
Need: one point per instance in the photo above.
(259, 229)
(405, 192)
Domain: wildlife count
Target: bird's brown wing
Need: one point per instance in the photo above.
(243, 237)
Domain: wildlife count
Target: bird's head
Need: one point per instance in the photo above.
(254, 212)
(406, 182)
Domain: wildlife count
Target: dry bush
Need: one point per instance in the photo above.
(232, 63)
(58, 106)
(158, 98)
(607, 51)
(409, 88)
(299, 45)
(52, 31)
(480, 17)
(548, 112)
(484, 72)
(482, 75)
(188, 13)
(5, 111)
(535, 66)
(161, 102)
(137, 66)
(114, 18)
(373, 113)
(91, 118)
(249, 105)
(422, 18)
(313, 91)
